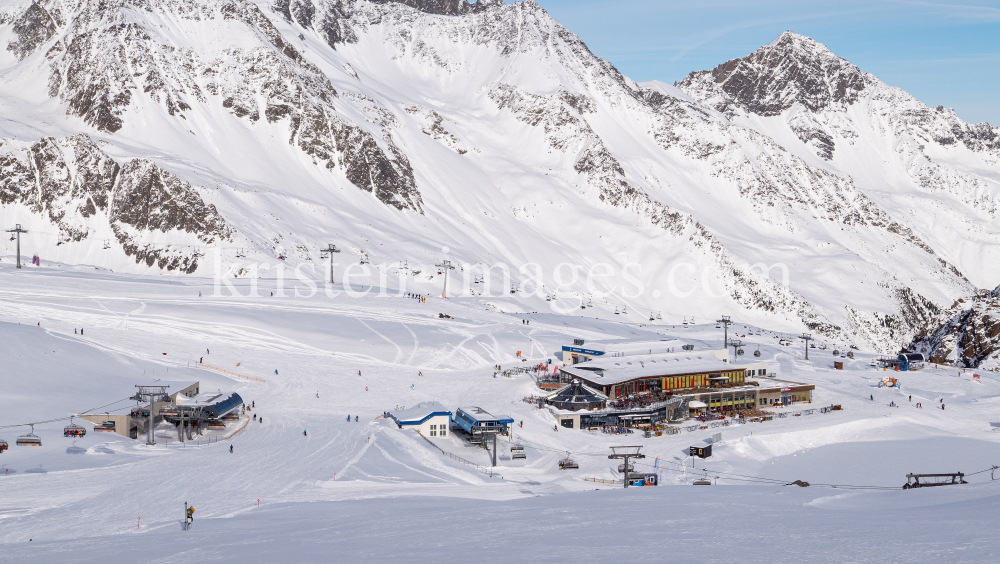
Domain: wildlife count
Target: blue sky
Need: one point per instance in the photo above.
(943, 51)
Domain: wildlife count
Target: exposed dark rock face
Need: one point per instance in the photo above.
(967, 335)
(71, 180)
(106, 62)
(793, 69)
(440, 7)
(33, 28)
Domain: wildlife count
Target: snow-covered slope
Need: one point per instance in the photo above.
(393, 129)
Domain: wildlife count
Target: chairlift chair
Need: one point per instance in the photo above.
(105, 427)
(624, 309)
(568, 463)
(517, 453)
(31, 439)
(73, 430)
(739, 352)
(616, 310)
(757, 352)
(703, 481)
(106, 245)
(651, 318)
(621, 468)
(658, 316)
(3, 445)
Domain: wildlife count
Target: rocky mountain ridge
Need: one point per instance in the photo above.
(493, 127)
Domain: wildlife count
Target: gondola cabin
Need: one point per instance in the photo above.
(3, 446)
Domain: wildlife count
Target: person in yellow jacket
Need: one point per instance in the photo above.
(189, 518)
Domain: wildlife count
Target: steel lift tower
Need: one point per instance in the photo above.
(626, 452)
(807, 338)
(153, 394)
(445, 266)
(17, 229)
(328, 252)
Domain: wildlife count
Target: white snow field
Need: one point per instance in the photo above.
(365, 491)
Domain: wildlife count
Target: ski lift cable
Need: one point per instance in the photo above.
(61, 418)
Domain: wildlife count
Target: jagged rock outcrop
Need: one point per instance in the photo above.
(77, 186)
(966, 335)
(791, 70)
(107, 59)
(33, 28)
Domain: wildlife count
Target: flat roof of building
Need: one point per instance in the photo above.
(480, 415)
(615, 370)
(420, 413)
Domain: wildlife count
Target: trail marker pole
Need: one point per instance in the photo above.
(17, 229)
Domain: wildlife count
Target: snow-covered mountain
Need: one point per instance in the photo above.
(396, 128)
(967, 334)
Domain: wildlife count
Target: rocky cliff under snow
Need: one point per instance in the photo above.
(394, 128)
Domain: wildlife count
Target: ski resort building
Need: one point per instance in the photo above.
(476, 420)
(639, 390)
(429, 418)
(136, 422)
(198, 408)
(618, 377)
(580, 351)
(755, 369)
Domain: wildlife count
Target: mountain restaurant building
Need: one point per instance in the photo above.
(620, 377)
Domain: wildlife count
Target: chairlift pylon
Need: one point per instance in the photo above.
(31, 439)
(73, 430)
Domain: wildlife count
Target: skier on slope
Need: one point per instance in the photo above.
(230, 449)
(348, 417)
(356, 417)
(304, 434)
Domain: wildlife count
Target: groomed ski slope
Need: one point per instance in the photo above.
(367, 490)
